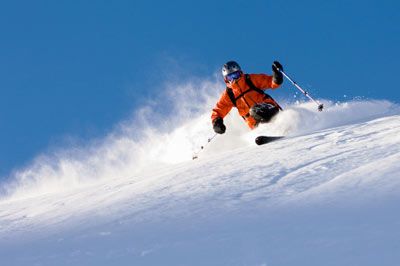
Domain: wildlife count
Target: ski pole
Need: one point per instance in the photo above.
(196, 154)
(320, 105)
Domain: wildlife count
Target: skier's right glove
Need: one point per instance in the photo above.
(218, 125)
(277, 68)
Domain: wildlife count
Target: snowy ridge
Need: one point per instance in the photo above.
(122, 155)
(326, 195)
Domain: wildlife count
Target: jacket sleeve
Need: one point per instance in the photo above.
(263, 81)
(222, 107)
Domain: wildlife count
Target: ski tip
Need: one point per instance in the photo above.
(258, 140)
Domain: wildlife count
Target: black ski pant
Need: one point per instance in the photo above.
(263, 112)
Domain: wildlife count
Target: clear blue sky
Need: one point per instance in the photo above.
(75, 68)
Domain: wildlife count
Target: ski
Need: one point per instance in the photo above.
(261, 140)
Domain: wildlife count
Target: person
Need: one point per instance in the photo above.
(246, 93)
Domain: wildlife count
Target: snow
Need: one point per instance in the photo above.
(327, 194)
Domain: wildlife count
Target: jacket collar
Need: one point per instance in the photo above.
(239, 84)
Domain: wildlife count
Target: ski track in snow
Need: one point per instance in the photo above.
(327, 194)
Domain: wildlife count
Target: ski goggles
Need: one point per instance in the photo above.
(233, 76)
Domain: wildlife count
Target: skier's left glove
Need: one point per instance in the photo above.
(218, 125)
(277, 76)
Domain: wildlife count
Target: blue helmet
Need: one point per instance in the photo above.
(230, 67)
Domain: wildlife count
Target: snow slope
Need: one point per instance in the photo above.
(328, 194)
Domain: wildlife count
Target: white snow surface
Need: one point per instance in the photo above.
(327, 194)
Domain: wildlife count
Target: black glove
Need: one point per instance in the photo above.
(218, 125)
(277, 76)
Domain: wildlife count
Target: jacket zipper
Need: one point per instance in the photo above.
(244, 96)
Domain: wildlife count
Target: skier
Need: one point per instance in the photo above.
(246, 93)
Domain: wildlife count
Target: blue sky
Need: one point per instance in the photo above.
(73, 69)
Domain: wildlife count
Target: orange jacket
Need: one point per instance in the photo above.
(244, 103)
